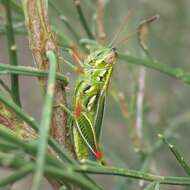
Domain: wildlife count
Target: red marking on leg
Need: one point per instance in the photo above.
(78, 109)
(98, 155)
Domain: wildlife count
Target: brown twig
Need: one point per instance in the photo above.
(41, 40)
(19, 128)
(99, 19)
(139, 109)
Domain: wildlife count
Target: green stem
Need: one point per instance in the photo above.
(82, 19)
(12, 52)
(133, 174)
(5, 86)
(153, 64)
(64, 20)
(62, 39)
(18, 174)
(5, 146)
(70, 177)
(17, 8)
(29, 71)
(175, 122)
(177, 155)
(45, 122)
(16, 31)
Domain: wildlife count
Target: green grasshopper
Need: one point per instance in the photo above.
(90, 93)
(89, 100)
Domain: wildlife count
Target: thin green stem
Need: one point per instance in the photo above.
(175, 122)
(152, 186)
(71, 177)
(5, 146)
(29, 71)
(154, 64)
(15, 5)
(62, 39)
(17, 175)
(82, 19)
(177, 155)
(5, 86)
(12, 52)
(16, 31)
(64, 20)
(45, 122)
(133, 174)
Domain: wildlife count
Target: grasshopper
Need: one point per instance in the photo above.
(89, 100)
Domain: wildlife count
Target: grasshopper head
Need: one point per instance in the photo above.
(101, 58)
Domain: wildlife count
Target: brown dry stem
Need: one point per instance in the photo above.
(42, 39)
(10, 120)
(100, 18)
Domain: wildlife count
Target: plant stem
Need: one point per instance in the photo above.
(99, 20)
(177, 155)
(138, 137)
(133, 174)
(16, 31)
(45, 122)
(154, 64)
(64, 20)
(16, 6)
(29, 71)
(5, 86)
(69, 176)
(82, 19)
(175, 123)
(20, 173)
(12, 52)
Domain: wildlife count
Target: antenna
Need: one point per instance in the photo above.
(141, 31)
(125, 39)
(121, 27)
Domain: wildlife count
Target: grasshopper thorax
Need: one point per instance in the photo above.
(101, 58)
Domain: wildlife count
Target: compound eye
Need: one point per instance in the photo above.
(99, 53)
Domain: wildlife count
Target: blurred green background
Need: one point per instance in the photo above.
(166, 100)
